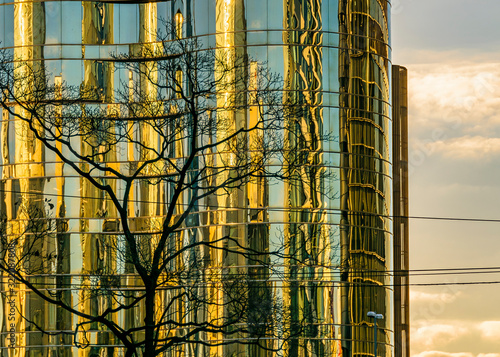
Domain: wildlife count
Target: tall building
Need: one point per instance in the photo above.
(401, 211)
(346, 255)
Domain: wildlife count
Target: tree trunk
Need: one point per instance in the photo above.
(131, 352)
(149, 322)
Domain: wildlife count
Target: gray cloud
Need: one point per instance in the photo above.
(459, 354)
(469, 26)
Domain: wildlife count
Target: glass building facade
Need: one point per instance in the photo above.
(333, 211)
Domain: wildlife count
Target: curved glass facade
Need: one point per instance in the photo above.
(332, 212)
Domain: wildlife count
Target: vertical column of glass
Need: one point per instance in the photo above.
(6, 213)
(29, 169)
(98, 216)
(63, 250)
(307, 236)
(196, 263)
(133, 317)
(148, 107)
(365, 130)
(260, 299)
(6, 209)
(149, 221)
(231, 93)
(209, 219)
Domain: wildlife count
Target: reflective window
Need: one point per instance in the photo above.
(72, 51)
(53, 66)
(179, 22)
(53, 23)
(72, 22)
(2, 26)
(202, 21)
(8, 22)
(256, 18)
(52, 52)
(178, 83)
(72, 72)
(275, 17)
(92, 51)
(129, 23)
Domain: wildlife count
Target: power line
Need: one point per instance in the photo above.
(330, 211)
(286, 285)
(286, 279)
(450, 219)
(275, 267)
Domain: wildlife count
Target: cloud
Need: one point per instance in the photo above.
(468, 147)
(427, 335)
(443, 354)
(459, 354)
(438, 337)
(454, 110)
(420, 296)
(409, 56)
(490, 330)
(459, 98)
(444, 25)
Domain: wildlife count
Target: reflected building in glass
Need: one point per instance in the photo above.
(334, 212)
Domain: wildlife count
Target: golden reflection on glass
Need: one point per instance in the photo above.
(62, 245)
(96, 212)
(230, 48)
(5, 178)
(245, 204)
(29, 31)
(257, 192)
(365, 185)
(97, 29)
(146, 198)
(308, 293)
(179, 22)
(10, 339)
(148, 218)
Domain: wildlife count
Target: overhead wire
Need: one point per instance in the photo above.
(409, 273)
(331, 211)
(285, 283)
(285, 278)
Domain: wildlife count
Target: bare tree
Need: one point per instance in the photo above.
(182, 261)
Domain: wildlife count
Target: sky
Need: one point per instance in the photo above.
(452, 51)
